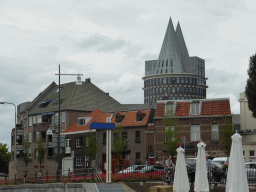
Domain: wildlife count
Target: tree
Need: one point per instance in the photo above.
(171, 133)
(227, 131)
(250, 89)
(120, 142)
(91, 145)
(25, 156)
(5, 156)
(40, 150)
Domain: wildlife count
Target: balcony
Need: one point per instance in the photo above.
(68, 150)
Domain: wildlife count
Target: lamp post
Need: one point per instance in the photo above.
(78, 82)
(15, 135)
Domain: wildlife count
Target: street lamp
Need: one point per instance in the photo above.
(78, 82)
(15, 135)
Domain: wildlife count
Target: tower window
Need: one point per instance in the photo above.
(163, 63)
(171, 63)
(166, 70)
(166, 63)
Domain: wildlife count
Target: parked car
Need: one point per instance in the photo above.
(216, 174)
(133, 168)
(152, 168)
(220, 160)
(250, 168)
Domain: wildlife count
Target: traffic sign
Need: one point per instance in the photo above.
(108, 126)
(183, 139)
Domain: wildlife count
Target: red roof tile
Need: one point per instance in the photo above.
(160, 110)
(130, 119)
(218, 107)
(182, 109)
(97, 116)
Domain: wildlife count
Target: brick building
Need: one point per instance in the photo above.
(200, 119)
(40, 118)
(137, 126)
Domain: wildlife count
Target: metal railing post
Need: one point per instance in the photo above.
(92, 173)
(84, 173)
(57, 176)
(46, 176)
(35, 176)
(68, 174)
(15, 180)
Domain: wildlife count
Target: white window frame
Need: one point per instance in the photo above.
(68, 142)
(63, 117)
(39, 119)
(34, 119)
(170, 106)
(194, 129)
(30, 137)
(215, 130)
(56, 118)
(78, 142)
(30, 121)
(253, 153)
(195, 108)
(78, 160)
(37, 135)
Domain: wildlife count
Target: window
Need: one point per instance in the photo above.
(78, 141)
(63, 117)
(186, 80)
(178, 90)
(173, 80)
(166, 70)
(78, 160)
(182, 80)
(169, 90)
(30, 121)
(67, 142)
(50, 153)
(164, 81)
(178, 80)
(39, 119)
(34, 119)
(160, 81)
(29, 153)
(244, 153)
(37, 135)
(57, 90)
(195, 133)
(170, 108)
(173, 89)
(160, 91)
(182, 90)
(36, 154)
(137, 136)
(43, 135)
(30, 137)
(137, 155)
(81, 121)
(171, 70)
(252, 153)
(161, 71)
(57, 102)
(195, 108)
(124, 135)
(56, 119)
(171, 63)
(169, 80)
(215, 132)
(44, 103)
(119, 118)
(166, 63)
(156, 82)
(49, 138)
(168, 133)
(163, 63)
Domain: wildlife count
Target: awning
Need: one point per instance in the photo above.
(47, 101)
(44, 114)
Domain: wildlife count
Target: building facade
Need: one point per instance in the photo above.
(200, 119)
(40, 118)
(247, 129)
(175, 75)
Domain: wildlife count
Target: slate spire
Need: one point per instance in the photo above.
(170, 52)
(181, 41)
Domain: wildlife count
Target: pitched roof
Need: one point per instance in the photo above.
(97, 116)
(210, 107)
(130, 119)
(85, 97)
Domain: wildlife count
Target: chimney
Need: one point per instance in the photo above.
(88, 80)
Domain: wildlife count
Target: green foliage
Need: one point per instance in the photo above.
(41, 149)
(119, 143)
(26, 146)
(5, 156)
(227, 131)
(171, 133)
(250, 89)
(91, 145)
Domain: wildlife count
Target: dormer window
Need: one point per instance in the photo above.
(57, 102)
(43, 104)
(195, 108)
(83, 120)
(119, 118)
(57, 90)
(170, 108)
(140, 115)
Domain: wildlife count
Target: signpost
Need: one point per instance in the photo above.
(108, 126)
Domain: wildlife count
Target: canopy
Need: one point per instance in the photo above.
(181, 183)
(236, 179)
(201, 181)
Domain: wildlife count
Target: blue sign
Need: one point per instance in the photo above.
(107, 126)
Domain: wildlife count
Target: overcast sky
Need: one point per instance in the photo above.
(109, 41)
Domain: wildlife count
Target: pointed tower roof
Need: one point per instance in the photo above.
(170, 51)
(181, 41)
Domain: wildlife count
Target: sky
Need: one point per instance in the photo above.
(109, 41)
